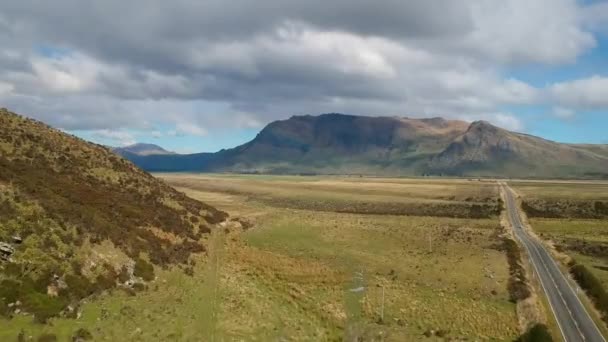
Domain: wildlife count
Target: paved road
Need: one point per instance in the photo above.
(574, 321)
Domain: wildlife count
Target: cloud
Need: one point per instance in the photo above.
(504, 120)
(582, 93)
(121, 138)
(595, 16)
(201, 66)
(182, 129)
(563, 113)
(520, 31)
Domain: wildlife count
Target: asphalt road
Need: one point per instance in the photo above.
(573, 320)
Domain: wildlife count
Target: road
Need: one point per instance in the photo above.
(573, 320)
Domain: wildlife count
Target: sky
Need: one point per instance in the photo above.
(196, 76)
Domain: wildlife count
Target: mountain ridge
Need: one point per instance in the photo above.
(336, 143)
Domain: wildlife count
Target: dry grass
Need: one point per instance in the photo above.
(297, 266)
(290, 276)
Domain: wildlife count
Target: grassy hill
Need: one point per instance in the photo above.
(76, 219)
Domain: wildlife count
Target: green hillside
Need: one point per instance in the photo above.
(75, 220)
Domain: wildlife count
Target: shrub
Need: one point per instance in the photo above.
(143, 269)
(124, 275)
(538, 333)
(10, 290)
(43, 306)
(47, 338)
(518, 290)
(593, 287)
(82, 334)
(79, 286)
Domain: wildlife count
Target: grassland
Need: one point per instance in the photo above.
(439, 274)
(292, 272)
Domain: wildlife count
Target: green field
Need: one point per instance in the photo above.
(310, 272)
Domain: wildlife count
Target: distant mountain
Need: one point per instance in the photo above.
(485, 149)
(75, 220)
(141, 149)
(349, 144)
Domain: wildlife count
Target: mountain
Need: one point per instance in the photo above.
(349, 144)
(141, 149)
(76, 219)
(485, 149)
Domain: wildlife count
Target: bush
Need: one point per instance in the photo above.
(593, 287)
(143, 269)
(47, 338)
(518, 290)
(82, 334)
(10, 290)
(43, 306)
(538, 333)
(79, 286)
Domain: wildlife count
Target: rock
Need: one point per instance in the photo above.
(6, 249)
(17, 239)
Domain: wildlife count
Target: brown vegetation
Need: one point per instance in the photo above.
(592, 286)
(518, 288)
(547, 208)
(455, 210)
(60, 194)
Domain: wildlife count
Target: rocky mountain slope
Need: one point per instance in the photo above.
(348, 144)
(76, 219)
(485, 149)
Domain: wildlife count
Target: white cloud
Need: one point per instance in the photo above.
(582, 93)
(183, 128)
(563, 113)
(6, 88)
(120, 137)
(519, 31)
(504, 120)
(595, 16)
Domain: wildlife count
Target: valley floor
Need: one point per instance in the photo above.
(319, 258)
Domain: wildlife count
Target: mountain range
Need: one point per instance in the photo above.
(350, 144)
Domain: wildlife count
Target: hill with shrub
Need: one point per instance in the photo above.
(76, 219)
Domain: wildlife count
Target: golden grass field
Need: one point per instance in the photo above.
(298, 266)
(319, 275)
